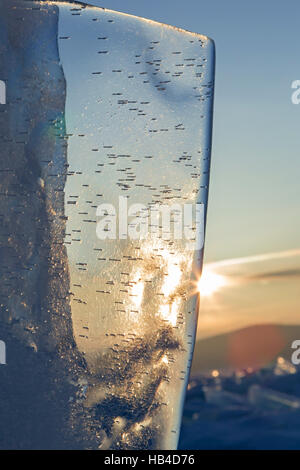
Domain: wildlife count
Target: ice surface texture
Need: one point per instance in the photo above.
(256, 411)
(100, 333)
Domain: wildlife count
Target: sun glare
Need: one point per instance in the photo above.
(210, 282)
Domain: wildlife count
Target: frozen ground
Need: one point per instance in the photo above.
(258, 410)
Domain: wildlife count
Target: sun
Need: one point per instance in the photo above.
(210, 282)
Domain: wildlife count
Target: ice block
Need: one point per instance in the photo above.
(105, 141)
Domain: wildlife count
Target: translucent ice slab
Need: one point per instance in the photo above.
(106, 139)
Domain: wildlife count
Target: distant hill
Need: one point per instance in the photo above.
(254, 346)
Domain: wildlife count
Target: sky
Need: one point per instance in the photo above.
(255, 167)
